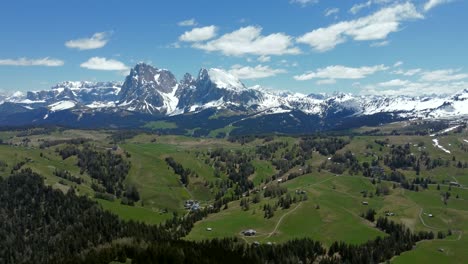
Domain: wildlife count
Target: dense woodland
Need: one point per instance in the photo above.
(107, 167)
(43, 225)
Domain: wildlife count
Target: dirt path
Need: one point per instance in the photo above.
(460, 233)
(281, 219)
(325, 180)
(424, 223)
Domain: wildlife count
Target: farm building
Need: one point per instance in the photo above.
(249, 232)
(192, 205)
(365, 203)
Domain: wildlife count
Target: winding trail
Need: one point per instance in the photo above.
(424, 223)
(460, 232)
(281, 219)
(295, 208)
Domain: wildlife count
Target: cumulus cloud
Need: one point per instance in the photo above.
(433, 3)
(445, 75)
(32, 62)
(103, 64)
(257, 72)
(187, 23)
(331, 11)
(341, 72)
(199, 34)
(248, 40)
(443, 81)
(98, 40)
(376, 26)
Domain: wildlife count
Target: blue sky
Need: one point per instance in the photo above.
(308, 46)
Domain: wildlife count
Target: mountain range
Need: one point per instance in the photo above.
(215, 99)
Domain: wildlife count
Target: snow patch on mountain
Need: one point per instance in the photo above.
(63, 105)
(225, 80)
(101, 104)
(436, 144)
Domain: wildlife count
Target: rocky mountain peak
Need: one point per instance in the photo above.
(188, 80)
(146, 87)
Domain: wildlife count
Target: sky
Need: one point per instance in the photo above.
(385, 47)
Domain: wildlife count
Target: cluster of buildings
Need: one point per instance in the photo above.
(192, 205)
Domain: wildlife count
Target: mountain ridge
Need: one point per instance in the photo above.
(148, 90)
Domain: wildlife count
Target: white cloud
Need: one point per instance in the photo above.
(376, 26)
(341, 72)
(416, 88)
(103, 64)
(433, 3)
(380, 44)
(187, 23)
(175, 45)
(394, 82)
(304, 2)
(199, 34)
(248, 40)
(331, 11)
(264, 58)
(357, 7)
(32, 62)
(443, 75)
(257, 72)
(398, 64)
(98, 40)
(410, 72)
(325, 82)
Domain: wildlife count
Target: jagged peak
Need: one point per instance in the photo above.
(187, 78)
(203, 74)
(85, 84)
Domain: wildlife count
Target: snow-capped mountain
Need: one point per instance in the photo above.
(89, 94)
(149, 90)
(214, 88)
(157, 92)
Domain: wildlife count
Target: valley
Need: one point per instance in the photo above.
(306, 187)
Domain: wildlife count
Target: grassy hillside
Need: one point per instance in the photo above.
(326, 183)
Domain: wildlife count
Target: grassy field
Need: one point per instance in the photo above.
(334, 202)
(331, 222)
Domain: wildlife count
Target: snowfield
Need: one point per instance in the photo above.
(63, 105)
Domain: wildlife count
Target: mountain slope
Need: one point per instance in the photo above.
(157, 94)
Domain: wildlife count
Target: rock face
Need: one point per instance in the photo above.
(84, 93)
(146, 89)
(214, 88)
